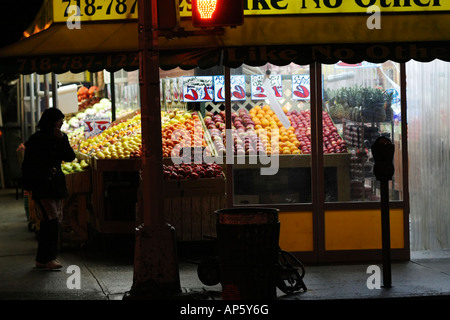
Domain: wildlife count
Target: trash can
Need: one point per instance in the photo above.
(247, 245)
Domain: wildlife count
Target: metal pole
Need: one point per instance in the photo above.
(54, 91)
(32, 104)
(37, 84)
(20, 98)
(156, 272)
(385, 233)
(228, 122)
(112, 83)
(46, 91)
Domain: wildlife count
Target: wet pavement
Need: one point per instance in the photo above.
(106, 271)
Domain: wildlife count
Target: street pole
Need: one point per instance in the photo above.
(156, 273)
(385, 233)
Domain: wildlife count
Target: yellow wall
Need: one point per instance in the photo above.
(344, 230)
(348, 230)
(296, 231)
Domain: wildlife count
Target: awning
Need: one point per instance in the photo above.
(278, 39)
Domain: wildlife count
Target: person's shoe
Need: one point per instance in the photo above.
(53, 264)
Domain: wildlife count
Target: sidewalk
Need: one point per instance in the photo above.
(108, 274)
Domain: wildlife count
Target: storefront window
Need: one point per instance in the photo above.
(272, 123)
(126, 91)
(363, 102)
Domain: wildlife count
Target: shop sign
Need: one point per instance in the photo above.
(331, 54)
(300, 87)
(299, 7)
(198, 89)
(94, 125)
(102, 10)
(237, 88)
(94, 10)
(257, 88)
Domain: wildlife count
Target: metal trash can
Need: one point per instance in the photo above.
(247, 244)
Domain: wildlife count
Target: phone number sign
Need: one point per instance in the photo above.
(94, 10)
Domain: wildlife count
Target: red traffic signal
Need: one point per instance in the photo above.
(217, 13)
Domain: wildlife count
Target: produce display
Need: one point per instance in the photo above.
(193, 171)
(120, 141)
(74, 126)
(361, 104)
(181, 129)
(123, 140)
(332, 141)
(260, 131)
(86, 97)
(74, 166)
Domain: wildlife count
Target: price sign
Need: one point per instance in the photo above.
(94, 10)
(258, 92)
(95, 125)
(237, 87)
(300, 87)
(198, 89)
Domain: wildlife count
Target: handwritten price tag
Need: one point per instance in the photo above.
(198, 89)
(300, 87)
(237, 88)
(258, 91)
(95, 125)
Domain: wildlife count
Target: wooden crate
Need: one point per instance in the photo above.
(74, 225)
(189, 206)
(193, 216)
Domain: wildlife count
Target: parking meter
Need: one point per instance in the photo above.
(383, 154)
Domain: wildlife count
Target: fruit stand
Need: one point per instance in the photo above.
(314, 224)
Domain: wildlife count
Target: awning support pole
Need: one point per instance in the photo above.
(156, 272)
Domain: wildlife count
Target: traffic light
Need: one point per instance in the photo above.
(217, 13)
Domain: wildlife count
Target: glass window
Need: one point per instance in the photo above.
(363, 102)
(271, 124)
(126, 91)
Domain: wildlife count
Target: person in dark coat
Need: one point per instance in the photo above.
(42, 176)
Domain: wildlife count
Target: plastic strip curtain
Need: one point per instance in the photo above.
(428, 97)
